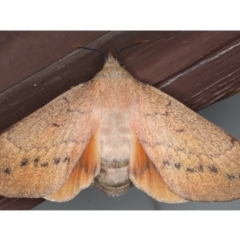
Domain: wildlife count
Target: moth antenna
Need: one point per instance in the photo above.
(129, 46)
(92, 49)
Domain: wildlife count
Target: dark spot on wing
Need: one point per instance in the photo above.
(165, 114)
(213, 169)
(180, 130)
(169, 103)
(7, 171)
(66, 99)
(190, 170)
(166, 162)
(66, 159)
(36, 160)
(56, 160)
(44, 164)
(177, 165)
(24, 162)
(230, 177)
(56, 125)
(200, 168)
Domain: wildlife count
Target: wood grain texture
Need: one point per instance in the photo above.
(166, 56)
(19, 203)
(31, 51)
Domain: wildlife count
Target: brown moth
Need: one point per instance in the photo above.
(115, 131)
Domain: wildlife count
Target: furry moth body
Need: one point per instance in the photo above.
(114, 131)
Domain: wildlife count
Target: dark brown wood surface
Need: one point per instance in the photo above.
(26, 53)
(197, 68)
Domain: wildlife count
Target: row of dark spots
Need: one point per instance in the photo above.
(56, 161)
(178, 166)
(26, 161)
(211, 168)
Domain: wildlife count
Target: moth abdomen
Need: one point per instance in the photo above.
(113, 178)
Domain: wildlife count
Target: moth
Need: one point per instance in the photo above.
(115, 132)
